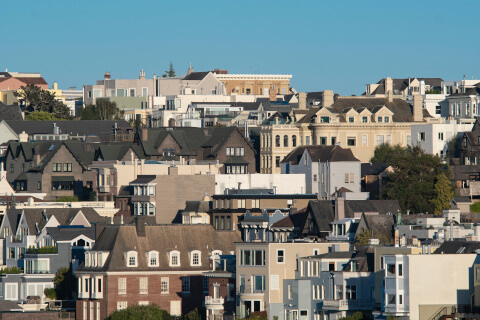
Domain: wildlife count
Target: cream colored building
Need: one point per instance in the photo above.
(258, 84)
(358, 123)
(262, 267)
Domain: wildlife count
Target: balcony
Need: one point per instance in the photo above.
(211, 301)
(345, 305)
(103, 189)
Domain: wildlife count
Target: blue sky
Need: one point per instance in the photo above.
(337, 45)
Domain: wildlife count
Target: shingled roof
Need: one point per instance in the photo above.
(196, 75)
(10, 113)
(320, 154)
(163, 238)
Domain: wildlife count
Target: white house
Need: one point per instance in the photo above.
(327, 170)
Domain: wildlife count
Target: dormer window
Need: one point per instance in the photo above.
(364, 119)
(379, 119)
(351, 119)
(174, 259)
(132, 259)
(196, 258)
(216, 252)
(153, 259)
(386, 119)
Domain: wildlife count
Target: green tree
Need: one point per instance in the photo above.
(40, 116)
(103, 110)
(444, 194)
(67, 199)
(356, 316)
(150, 312)
(415, 175)
(193, 315)
(362, 238)
(170, 73)
(65, 283)
(475, 207)
(35, 99)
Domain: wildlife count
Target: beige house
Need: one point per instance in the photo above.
(358, 123)
(258, 84)
(262, 267)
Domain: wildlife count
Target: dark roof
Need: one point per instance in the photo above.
(402, 84)
(10, 113)
(7, 305)
(373, 168)
(264, 196)
(321, 154)
(197, 206)
(449, 247)
(380, 224)
(196, 75)
(101, 128)
(67, 234)
(163, 238)
(32, 80)
(296, 220)
(144, 179)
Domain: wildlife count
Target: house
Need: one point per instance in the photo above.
(262, 268)
(142, 265)
(220, 285)
(402, 87)
(356, 123)
(16, 80)
(331, 285)
(464, 104)
(327, 169)
(374, 177)
(254, 84)
(197, 212)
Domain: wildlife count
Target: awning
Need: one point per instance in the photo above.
(63, 178)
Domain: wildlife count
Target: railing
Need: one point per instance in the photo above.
(348, 304)
(212, 300)
(444, 311)
(250, 289)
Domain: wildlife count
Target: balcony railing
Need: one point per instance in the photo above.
(343, 305)
(251, 289)
(211, 300)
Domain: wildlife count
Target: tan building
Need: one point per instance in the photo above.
(262, 267)
(258, 84)
(358, 123)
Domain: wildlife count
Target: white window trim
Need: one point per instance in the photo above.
(170, 255)
(132, 254)
(278, 250)
(149, 256)
(199, 258)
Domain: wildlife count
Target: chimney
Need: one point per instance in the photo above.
(142, 75)
(417, 108)
(390, 96)
(339, 208)
(144, 134)
(388, 85)
(190, 70)
(55, 86)
(327, 98)
(56, 130)
(273, 94)
(36, 153)
(23, 137)
(106, 76)
(140, 226)
(302, 101)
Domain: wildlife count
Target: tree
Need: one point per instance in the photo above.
(356, 316)
(415, 174)
(170, 73)
(150, 312)
(193, 315)
(362, 238)
(103, 110)
(67, 199)
(65, 283)
(35, 99)
(444, 194)
(41, 116)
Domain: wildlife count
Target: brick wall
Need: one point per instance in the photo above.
(36, 315)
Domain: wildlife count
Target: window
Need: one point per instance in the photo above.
(174, 259)
(400, 299)
(57, 167)
(230, 152)
(379, 119)
(121, 305)
(285, 141)
(258, 284)
(144, 92)
(277, 141)
(67, 167)
(307, 140)
(164, 285)
(380, 140)
(240, 152)
(323, 141)
(153, 259)
(351, 141)
(440, 136)
(388, 139)
(99, 285)
(290, 292)
(391, 299)
(205, 284)
(421, 136)
(255, 203)
(120, 92)
(252, 257)
(317, 292)
(131, 259)
(122, 286)
(364, 119)
(386, 119)
(324, 119)
(62, 185)
(331, 266)
(143, 282)
(400, 270)
(351, 119)
(274, 282)
(39, 185)
(364, 139)
(132, 92)
(294, 141)
(241, 203)
(277, 162)
(315, 178)
(280, 256)
(175, 308)
(195, 259)
(351, 293)
(349, 177)
(186, 284)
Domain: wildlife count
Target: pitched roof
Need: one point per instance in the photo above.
(32, 80)
(460, 247)
(296, 220)
(163, 238)
(320, 154)
(380, 224)
(197, 206)
(373, 168)
(10, 113)
(196, 75)
(67, 234)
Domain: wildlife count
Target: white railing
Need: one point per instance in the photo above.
(348, 304)
(212, 300)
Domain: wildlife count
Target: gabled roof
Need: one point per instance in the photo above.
(196, 75)
(373, 168)
(163, 238)
(459, 247)
(32, 80)
(380, 224)
(10, 113)
(296, 220)
(68, 234)
(320, 154)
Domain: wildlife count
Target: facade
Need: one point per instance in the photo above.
(374, 177)
(257, 84)
(141, 265)
(16, 80)
(357, 123)
(327, 169)
(262, 268)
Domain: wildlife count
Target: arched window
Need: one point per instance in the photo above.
(196, 258)
(153, 259)
(277, 141)
(294, 141)
(132, 260)
(174, 259)
(285, 141)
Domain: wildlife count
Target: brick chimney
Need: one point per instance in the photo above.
(106, 76)
(273, 93)
(144, 134)
(327, 98)
(417, 108)
(302, 100)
